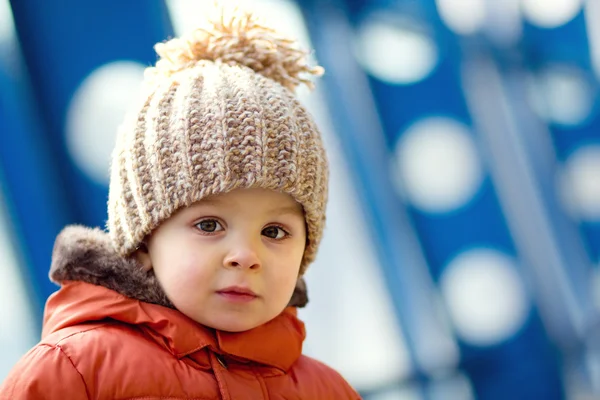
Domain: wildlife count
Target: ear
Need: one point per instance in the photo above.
(142, 255)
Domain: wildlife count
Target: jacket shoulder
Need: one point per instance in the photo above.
(44, 372)
(112, 358)
(85, 344)
(93, 338)
(121, 361)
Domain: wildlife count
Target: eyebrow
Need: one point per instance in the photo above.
(287, 210)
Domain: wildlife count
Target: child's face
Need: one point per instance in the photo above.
(206, 255)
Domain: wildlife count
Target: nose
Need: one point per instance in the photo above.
(242, 256)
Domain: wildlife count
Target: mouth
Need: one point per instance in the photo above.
(237, 294)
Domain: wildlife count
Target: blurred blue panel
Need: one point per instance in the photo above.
(29, 182)
(568, 45)
(62, 45)
(523, 366)
(364, 142)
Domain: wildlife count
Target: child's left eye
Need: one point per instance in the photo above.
(274, 232)
(209, 226)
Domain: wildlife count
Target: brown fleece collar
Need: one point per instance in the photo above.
(87, 255)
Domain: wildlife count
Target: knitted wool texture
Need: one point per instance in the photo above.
(218, 113)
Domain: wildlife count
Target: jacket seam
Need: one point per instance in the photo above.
(220, 379)
(262, 383)
(87, 394)
(79, 332)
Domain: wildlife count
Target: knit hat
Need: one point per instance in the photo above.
(218, 113)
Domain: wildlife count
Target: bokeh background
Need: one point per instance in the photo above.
(461, 257)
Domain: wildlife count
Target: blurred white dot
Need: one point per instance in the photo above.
(485, 297)
(591, 14)
(438, 165)
(395, 53)
(10, 52)
(462, 16)
(451, 387)
(7, 27)
(562, 95)
(95, 112)
(550, 13)
(406, 392)
(581, 183)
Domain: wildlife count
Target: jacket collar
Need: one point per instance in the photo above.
(277, 343)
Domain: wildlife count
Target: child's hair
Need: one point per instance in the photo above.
(218, 113)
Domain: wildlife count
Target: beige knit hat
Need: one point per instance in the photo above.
(218, 113)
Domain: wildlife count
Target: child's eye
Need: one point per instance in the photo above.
(209, 225)
(274, 232)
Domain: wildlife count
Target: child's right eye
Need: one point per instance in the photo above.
(209, 225)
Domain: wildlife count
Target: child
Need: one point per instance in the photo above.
(216, 208)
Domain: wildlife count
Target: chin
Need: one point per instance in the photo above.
(233, 326)
(230, 323)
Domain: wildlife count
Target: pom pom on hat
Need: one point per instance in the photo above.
(237, 37)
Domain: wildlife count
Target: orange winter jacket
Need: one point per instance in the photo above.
(109, 333)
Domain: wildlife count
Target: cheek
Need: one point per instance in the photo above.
(287, 267)
(295, 254)
(181, 274)
(182, 270)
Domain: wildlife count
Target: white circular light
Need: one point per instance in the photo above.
(485, 297)
(582, 182)
(438, 165)
(7, 27)
(550, 13)
(562, 95)
(394, 53)
(456, 386)
(404, 392)
(95, 112)
(462, 16)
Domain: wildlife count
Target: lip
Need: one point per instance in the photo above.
(237, 294)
